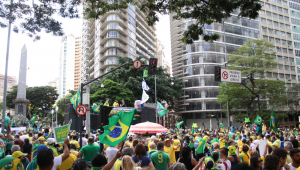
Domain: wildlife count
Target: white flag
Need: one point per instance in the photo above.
(145, 97)
(144, 85)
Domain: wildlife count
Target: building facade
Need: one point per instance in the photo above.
(54, 83)
(11, 81)
(117, 33)
(77, 76)
(67, 65)
(195, 63)
(162, 60)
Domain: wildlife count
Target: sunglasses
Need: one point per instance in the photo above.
(260, 161)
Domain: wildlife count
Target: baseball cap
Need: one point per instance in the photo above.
(41, 138)
(50, 141)
(244, 140)
(18, 154)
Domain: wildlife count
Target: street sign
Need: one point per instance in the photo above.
(233, 76)
(81, 110)
(137, 64)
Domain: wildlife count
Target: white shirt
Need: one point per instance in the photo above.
(253, 146)
(220, 166)
(111, 153)
(23, 137)
(291, 167)
(228, 163)
(84, 141)
(56, 162)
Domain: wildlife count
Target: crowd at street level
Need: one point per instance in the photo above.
(179, 149)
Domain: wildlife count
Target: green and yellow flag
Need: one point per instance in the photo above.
(33, 118)
(118, 127)
(273, 123)
(247, 120)
(178, 124)
(96, 108)
(145, 73)
(161, 110)
(222, 125)
(76, 99)
(258, 120)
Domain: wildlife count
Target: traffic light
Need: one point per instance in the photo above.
(152, 66)
(217, 73)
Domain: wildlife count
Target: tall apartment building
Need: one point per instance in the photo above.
(11, 81)
(162, 60)
(277, 26)
(77, 76)
(195, 63)
(67, 65)
(117, 33)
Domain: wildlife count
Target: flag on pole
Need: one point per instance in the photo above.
(145, 86)
(258, 120)
(33, 118)
(222, 125)
(76, 99)
(117, 129)
(145, 73)
(273, 123)
(247, 120)
(95, 108)
(160, 109)
(145, 97)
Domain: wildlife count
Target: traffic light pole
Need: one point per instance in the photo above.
(155, 99)
(87, 83)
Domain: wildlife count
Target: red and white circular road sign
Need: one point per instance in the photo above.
(137, 64)
(81, 110)
(225, 75)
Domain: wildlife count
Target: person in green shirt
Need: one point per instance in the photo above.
(199, 147)
(160, 159)
(213, 141)
(7, 123)
(100, 103)
(88, 151)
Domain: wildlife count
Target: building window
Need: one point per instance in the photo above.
(280, 17)
(268, 13)
(274, 7)
(280, 66)
(269, 21)
(278, 49)
(275, 16)
(276, 23)
(277, 40)
(271, 39)
(267, 5)
(270, 30)
(279, 9)
(279, 58)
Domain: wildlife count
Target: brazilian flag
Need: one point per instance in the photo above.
(178, 124)
(161, 110)
(222, 125)
(33, 119)
(118, 127)
(11, 163)
(96, 108)
(145, 73)
(273, 123)
(258, 120)
(34, 150)
(76, 100)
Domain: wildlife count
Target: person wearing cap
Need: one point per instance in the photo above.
(41, 140)
(160, 159)
(50, 144)
(170, 149)
(233, 158)
(44, 159)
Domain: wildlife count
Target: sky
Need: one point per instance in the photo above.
(43, 55)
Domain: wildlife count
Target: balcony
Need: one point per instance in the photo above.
(145, 41)
(139, 28)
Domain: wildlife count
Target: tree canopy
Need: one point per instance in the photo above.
(33, 17)
(113, 91)
(41, 98)
(254, 59)
(168, 88)
(61, 104)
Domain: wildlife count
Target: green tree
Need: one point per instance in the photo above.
(293, 99)
(61, 104)
(254, 59)
(41, 98)
(33, 17)
(200, 11)
(168, 88)
(114, 91)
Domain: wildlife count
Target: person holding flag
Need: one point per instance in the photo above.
(273, 123)
(76, 99)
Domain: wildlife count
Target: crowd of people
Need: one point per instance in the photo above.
(178, 149)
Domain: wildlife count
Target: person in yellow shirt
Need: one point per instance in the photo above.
(222, 140)
(151, 141)
(170, 149)
(176, 143)
(240, 143)
(116, 104)
(106, 102)
(68, 163)
(75, 142)
(245, 153)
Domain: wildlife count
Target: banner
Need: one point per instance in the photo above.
(145, 97)
(16, 129)
(61, 133)
(145, 86)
